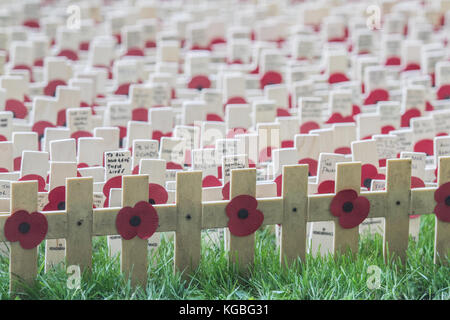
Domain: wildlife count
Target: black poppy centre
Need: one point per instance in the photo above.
(62, 205)
(135, 221)
(151, 201)
(24, 227)
(243, 214)
(367, 182)
(447, 201)
(347, 207)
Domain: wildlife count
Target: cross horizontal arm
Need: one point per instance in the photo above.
(422, 201)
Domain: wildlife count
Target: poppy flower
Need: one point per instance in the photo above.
(123, 89)
(157, 194)
(343, 150)
(279, 182)
(337, 77)
(234, 131)
(387, 129)
(393, 61)
(84, 46)
(265, 155)
(408, 115)
(270, 77)
(226, 191)
(27, 228)
(141, 220)
(115, 182)
(368, 173)
(211, 181)
(412, 66)
(17, 162)
(244, 217)
(3, 138)
(213, 117)
(157, 135)
(110, 75)
(134, 52)
(287, 144)
(216, 40)
(442, 198)
(350, 208)
(50, 88)
(444, 92)
(234, 100)
(199, 82)
(173, 166)
(282, 112)
(118, 37)
(312, 166)
(80, 134)
(355, 110)
(308, 126)
(39, 128)
(339, 118)
(376, 95)
(17, 108)
(139, 114)
(56, 199)
(35, 177)
(61, 118)
(425, 145)
(82, 165)
(31, 23)
(327, 186)
(428, 106)
(25, 67)
(150, 44)
(69, 54)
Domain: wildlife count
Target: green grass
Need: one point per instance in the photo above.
(317, 278)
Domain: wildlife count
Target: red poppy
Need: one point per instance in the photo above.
(425, 145)
(377, 95)
(355, 110)
(387, 129)
(25, 67)
(157, 135)
(173, 166)
(417, 183)
(27, 228)
(444, 92)
(368, 173)
(17, 108)
(393, 61)
(337, 77)
(270, 77)
(350, 208)
(50, 88)
(211, 181)
(35, 177)
(3, 170)
(69, 54)
(327, 186)
(31, 23)
(84, 46)
(234, 131)
(312, 166)
(17, 163)
(82, 165)
(123, 89)
(287, 144)
(213, 117)
(279, 182)
(265, 155)
(141, 220)
(412, 66)
(80, 134)
(110, 75)
(339, 118)
(139, 114)
(56, 199)
(226, 191)
(135, 52)
(308, 126)
(282, 112)
(157, 194)
(408, 115)
(428, 106)
(3, 138)
(199, 82)
(217, 40)
(150, 44)
(38, 63)
(118, 37)
(442, 198)
(39, 128)
(343, 150)
(115, 182)
(244, 217)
